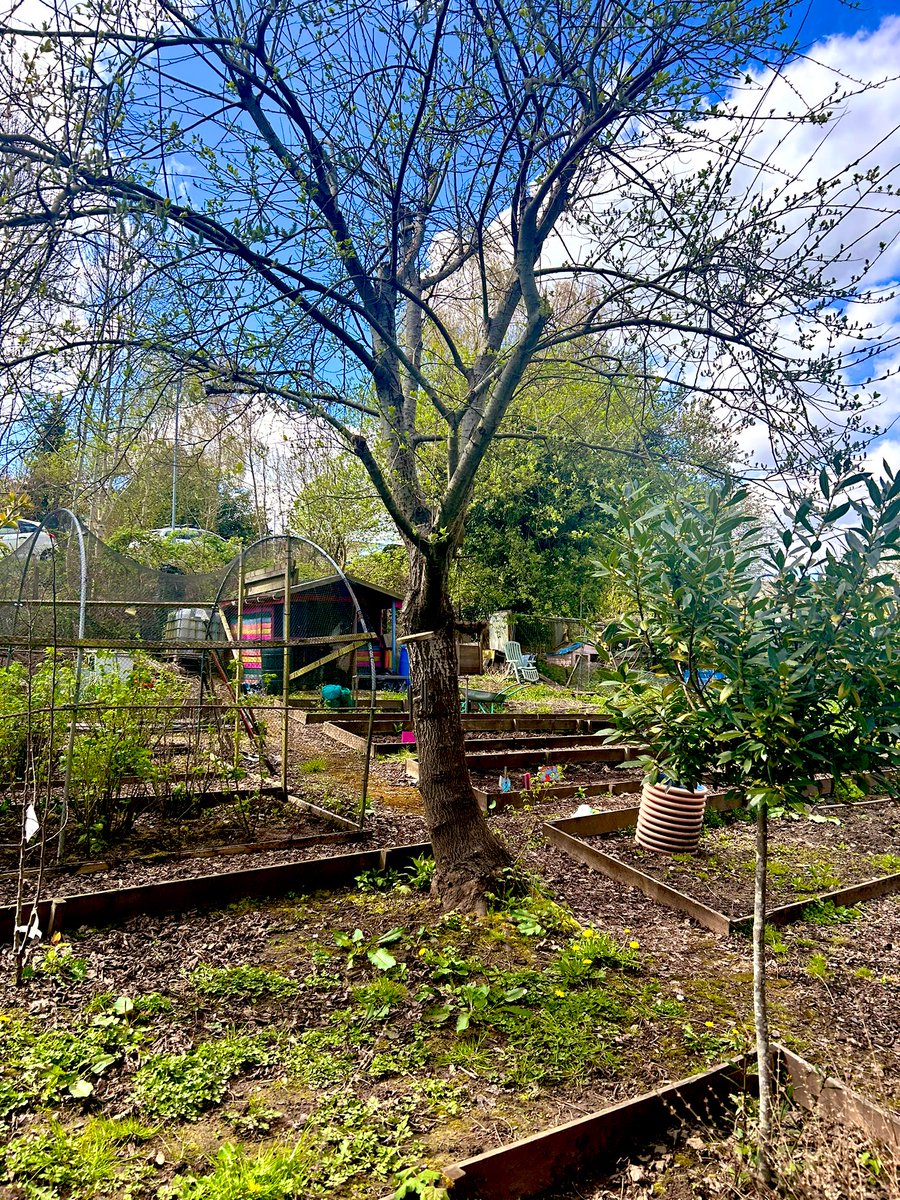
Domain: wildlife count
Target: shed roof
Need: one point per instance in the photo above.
(270, 586)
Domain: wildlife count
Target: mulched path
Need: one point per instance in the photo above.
(806, 857)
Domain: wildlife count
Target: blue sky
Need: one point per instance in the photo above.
(828, 17)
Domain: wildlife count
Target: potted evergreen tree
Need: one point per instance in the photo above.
(768, 652)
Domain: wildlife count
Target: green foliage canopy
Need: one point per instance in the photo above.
(771, 659)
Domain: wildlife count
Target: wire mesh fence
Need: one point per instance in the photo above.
(143, 707)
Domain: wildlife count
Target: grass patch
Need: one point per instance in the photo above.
(102, 1159)
(313, 766)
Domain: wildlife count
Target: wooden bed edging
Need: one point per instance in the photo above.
(624, 873)
(565, 832)
(496, 802)
(210, 891)
(595, 1143)
(497, 760)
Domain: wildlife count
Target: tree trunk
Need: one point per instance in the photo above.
(468, 857)
(760, 1013)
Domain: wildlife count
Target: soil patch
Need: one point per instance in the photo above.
(806, 856)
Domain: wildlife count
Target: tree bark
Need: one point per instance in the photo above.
(468, 857)
(760, 1012)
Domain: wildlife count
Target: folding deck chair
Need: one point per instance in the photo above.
(521, 666)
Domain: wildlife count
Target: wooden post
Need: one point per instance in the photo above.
(239, 664)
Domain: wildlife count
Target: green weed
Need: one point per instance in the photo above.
(356, 945)
(313, 766)
(774, 940)
(825, 912)
(277, 1173)
(347, 1144)
(711, 1044)
(102, 1159)
(47, 1066)
(181, 1086)
(256, 1120)
(590, 954)
(58, 961)
(817, 967)
(400, 1059)
(242, 983)
(379, 998)
(887, 864)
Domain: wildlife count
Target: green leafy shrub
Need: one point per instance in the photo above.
(126, 718)
(13, 729)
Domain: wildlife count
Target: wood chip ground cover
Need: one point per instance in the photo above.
(817, 1159)
(365, 1028)
(263, 1050)
(807, 856)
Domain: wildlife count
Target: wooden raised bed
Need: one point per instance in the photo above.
(540, 756)
(594, 1144)
(499, 722)
(113, 905)
(481, 745)
(496, 802)
(567, 833)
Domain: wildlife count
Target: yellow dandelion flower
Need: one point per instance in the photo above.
(587, 961)
(710, 1024)
(587, 933)
(559, 992)
(634, 945)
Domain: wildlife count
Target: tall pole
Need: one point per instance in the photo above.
(175, 448)
(286, 665)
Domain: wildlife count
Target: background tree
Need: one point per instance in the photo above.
(319, 198)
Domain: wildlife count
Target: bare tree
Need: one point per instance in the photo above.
(318, 192)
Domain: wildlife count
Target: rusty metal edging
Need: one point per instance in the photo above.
(211, 891)
(853, 893)
(533, 1165)
(623, 873)
(325, 813)
(812, 1088)
(596, 1143)
(562, 833)
(496, 802)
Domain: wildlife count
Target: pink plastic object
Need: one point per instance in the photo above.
(407, 738)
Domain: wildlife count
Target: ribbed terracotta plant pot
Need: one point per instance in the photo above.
(670, 819)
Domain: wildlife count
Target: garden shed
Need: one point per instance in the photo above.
(319, 607)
